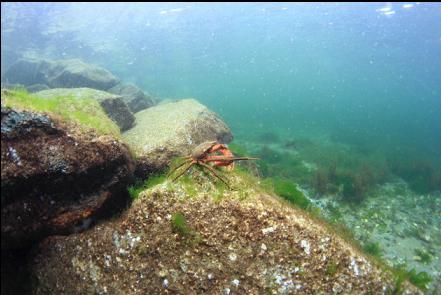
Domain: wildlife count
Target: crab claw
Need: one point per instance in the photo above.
(226, 152)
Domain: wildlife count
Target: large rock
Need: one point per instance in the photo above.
(28, 72)
(134, 97)
(76, 73)
(172, 129)
(112, 104)
(69, 73)
(54, 176)
(244, 243)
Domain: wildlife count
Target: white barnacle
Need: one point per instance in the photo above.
(306, 247)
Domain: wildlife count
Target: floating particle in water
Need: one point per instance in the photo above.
(384, 9)
(392, 12)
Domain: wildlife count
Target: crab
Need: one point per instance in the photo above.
(209, 152)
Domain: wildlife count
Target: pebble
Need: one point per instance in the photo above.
(306, 247)
(268, 230)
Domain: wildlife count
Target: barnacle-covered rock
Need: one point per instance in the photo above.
(243, 241)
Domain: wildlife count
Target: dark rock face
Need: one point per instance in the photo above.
(54, 177)
(64, 73)
(119, 112)
(134, 97)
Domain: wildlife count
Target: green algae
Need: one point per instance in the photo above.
(287, 190)
(141, 185)
(86, 112)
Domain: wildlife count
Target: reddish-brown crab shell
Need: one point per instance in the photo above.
(209, 152)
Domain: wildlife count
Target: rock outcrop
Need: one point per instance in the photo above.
(55, 176)
(134, 97)
(68, 73)
(113, 105)
(191, 239)
(172, 129)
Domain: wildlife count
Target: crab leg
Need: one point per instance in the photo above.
(184, 170)
(176, 168)
(215, 173)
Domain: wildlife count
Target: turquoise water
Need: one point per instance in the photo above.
(346, 94)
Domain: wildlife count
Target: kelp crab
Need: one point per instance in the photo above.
(209, 152)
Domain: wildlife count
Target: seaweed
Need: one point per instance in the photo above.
(270, 155)
(374, 249)
(269, 137)
(141, 185)
(179, 224)
(237, 149)
(422, 174)
(287, 190)
(420, 279)
(425, 256)
(331, 268)
(86, 112)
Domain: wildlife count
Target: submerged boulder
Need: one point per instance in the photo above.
(68, 73)
(112, 104)
(172, 129)
(37, 87)
(134, 97)
(28, 72)
(177, 238)
(73, 73)
(56, 173)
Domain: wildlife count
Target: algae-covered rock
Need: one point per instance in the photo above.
(172, 129)
(37, 87)
(74, 73)
(68, 73)
(112, 104)
(134, 97)
(56, 171)
(28, 72)
(242, 241)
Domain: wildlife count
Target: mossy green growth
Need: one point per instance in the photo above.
(421, 279)
(425, 256)
(86, 112)
(287, 190)
(139, 185)
(179, 224)
(331, 268)
(189, 186)
(237, 149)
(373, 248)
